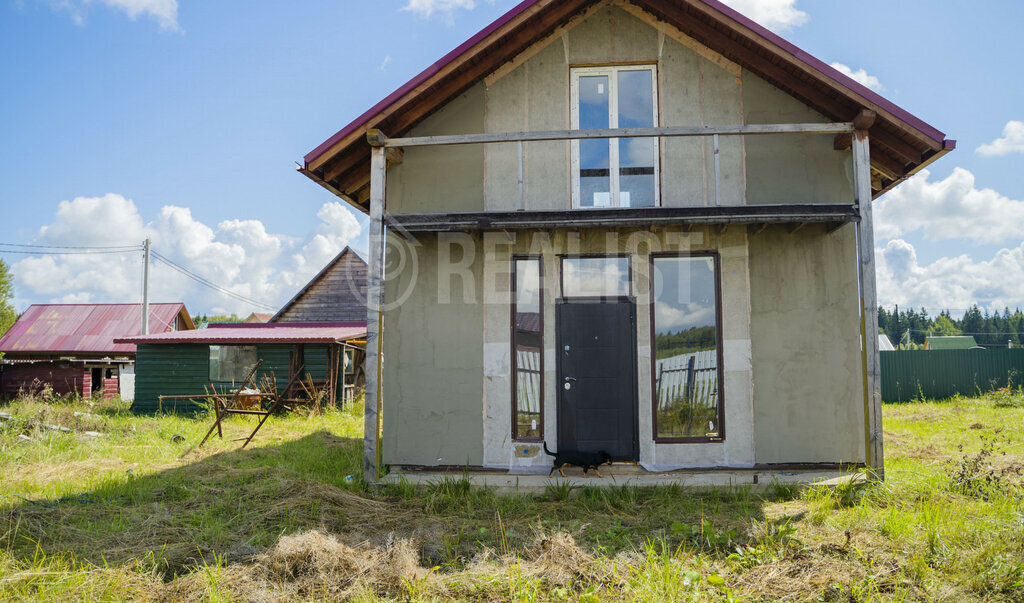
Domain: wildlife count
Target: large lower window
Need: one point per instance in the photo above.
(687, 348)
(527, 350)
(231, 363)
(614, 172)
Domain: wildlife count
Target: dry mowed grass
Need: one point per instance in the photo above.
(137, 513)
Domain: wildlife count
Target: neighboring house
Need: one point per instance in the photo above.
(222, 356)
(336, 294)
(255, 318)
(323, 326)
(688, 296)
(71, 347)
(884, 344)
(950, 342)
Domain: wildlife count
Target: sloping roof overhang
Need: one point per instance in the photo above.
(901, 144)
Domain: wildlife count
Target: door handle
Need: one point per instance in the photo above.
(568, 379)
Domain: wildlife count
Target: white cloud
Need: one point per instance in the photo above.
(952, 208)
(954, 283)
(384, 64)
(860, 76)
(239, 255)
(776, 15)
(693, 314)
(1011, 142)
(164, 12)
(426, 8)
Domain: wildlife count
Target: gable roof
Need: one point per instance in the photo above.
(950, 342)
(316, 279)
(85, 329)
(901, 144)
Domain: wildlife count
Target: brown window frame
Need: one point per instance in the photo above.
(716, 257)
(515, 356)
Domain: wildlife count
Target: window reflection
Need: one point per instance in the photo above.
(595, 156)
(636, 155)
(686, 370)
(595, 277)
(528, 343)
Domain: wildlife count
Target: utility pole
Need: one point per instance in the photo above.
(145, 287)
(898, 341)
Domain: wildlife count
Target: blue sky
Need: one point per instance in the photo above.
(182, 120)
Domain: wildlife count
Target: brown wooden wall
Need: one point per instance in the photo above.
(337, 295)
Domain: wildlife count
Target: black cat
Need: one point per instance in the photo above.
(578, 458)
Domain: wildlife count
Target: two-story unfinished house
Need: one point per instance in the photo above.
(633, 226)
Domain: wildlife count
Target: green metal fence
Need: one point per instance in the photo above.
(939, 374)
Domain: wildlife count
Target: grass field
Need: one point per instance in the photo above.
(136, 513)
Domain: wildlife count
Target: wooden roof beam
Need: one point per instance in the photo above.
(887, 166)
(864, 120)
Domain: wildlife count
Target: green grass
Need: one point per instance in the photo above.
(135, 514)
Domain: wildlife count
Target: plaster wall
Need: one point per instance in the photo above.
(805, 329)
(433, 324)
(792, 168)
(442, 179)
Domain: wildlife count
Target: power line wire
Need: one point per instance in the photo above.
(208, 283)
(79, 247)
(19, 252)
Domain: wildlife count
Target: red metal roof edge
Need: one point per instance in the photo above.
(813, 62)
(307, 334)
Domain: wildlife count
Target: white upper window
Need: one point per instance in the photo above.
(616, 172)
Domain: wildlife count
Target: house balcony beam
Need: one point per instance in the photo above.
(623, 217)
(670, 131)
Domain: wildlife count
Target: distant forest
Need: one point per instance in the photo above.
(989, 330)
(696, 339)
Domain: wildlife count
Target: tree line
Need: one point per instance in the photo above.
(694, 339)
(989, 330)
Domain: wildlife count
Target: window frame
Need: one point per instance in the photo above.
(613, 119)
(513, 309)
(717, 259)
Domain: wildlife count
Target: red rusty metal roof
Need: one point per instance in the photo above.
(84, 329)
(243, 333)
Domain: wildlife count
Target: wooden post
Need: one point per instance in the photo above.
(869, 305)
(374, 313)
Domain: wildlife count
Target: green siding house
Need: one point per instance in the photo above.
(172, 365)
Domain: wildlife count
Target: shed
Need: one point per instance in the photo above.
(222, 355)
(72, 348)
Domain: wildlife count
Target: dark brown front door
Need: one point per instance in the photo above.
(597, 401)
